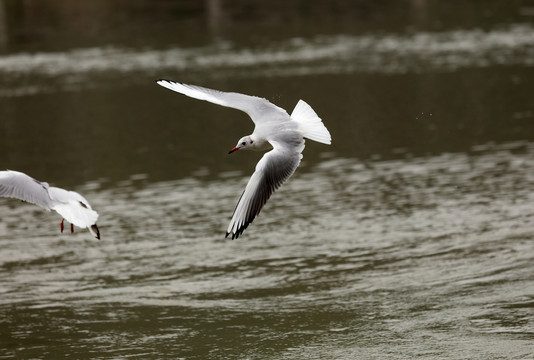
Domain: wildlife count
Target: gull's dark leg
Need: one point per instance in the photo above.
(62, 226)
(71, 228)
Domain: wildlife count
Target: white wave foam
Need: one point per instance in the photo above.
(419, 52)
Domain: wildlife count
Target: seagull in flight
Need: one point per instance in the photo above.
(274, 129)
(69, 204)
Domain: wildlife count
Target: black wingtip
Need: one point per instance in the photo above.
(94, 230)
(243, 227)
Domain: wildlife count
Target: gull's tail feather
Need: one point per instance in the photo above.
(310, 124)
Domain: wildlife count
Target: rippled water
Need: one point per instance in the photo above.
(411, 236)
(391, 53)
(426, 257)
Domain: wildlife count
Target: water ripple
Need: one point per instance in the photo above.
(389, 53)
(432, 249)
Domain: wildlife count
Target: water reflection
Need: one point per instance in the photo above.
(341, 54)
(409, 238)
(392, 251)
(82, 136)
(62, 24)
(3, 27)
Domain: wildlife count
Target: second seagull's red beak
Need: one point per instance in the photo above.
(234, 149)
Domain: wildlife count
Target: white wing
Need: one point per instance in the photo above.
(257, 108)
(17, 185)
(69, 204)
(73, 207)
(274, 168)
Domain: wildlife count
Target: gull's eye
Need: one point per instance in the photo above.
(243, 143)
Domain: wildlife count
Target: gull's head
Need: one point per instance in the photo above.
(245, 143)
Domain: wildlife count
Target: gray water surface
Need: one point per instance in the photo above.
(425, 257)
(410, 237)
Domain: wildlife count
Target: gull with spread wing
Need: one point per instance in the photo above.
(69, 204)
(274, 129)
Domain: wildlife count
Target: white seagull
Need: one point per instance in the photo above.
(69, 204)
(274, 128)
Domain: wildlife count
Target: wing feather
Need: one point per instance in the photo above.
(274, 168)
(17, 185)
(254, 106)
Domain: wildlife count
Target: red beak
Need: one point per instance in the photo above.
(234, 149)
